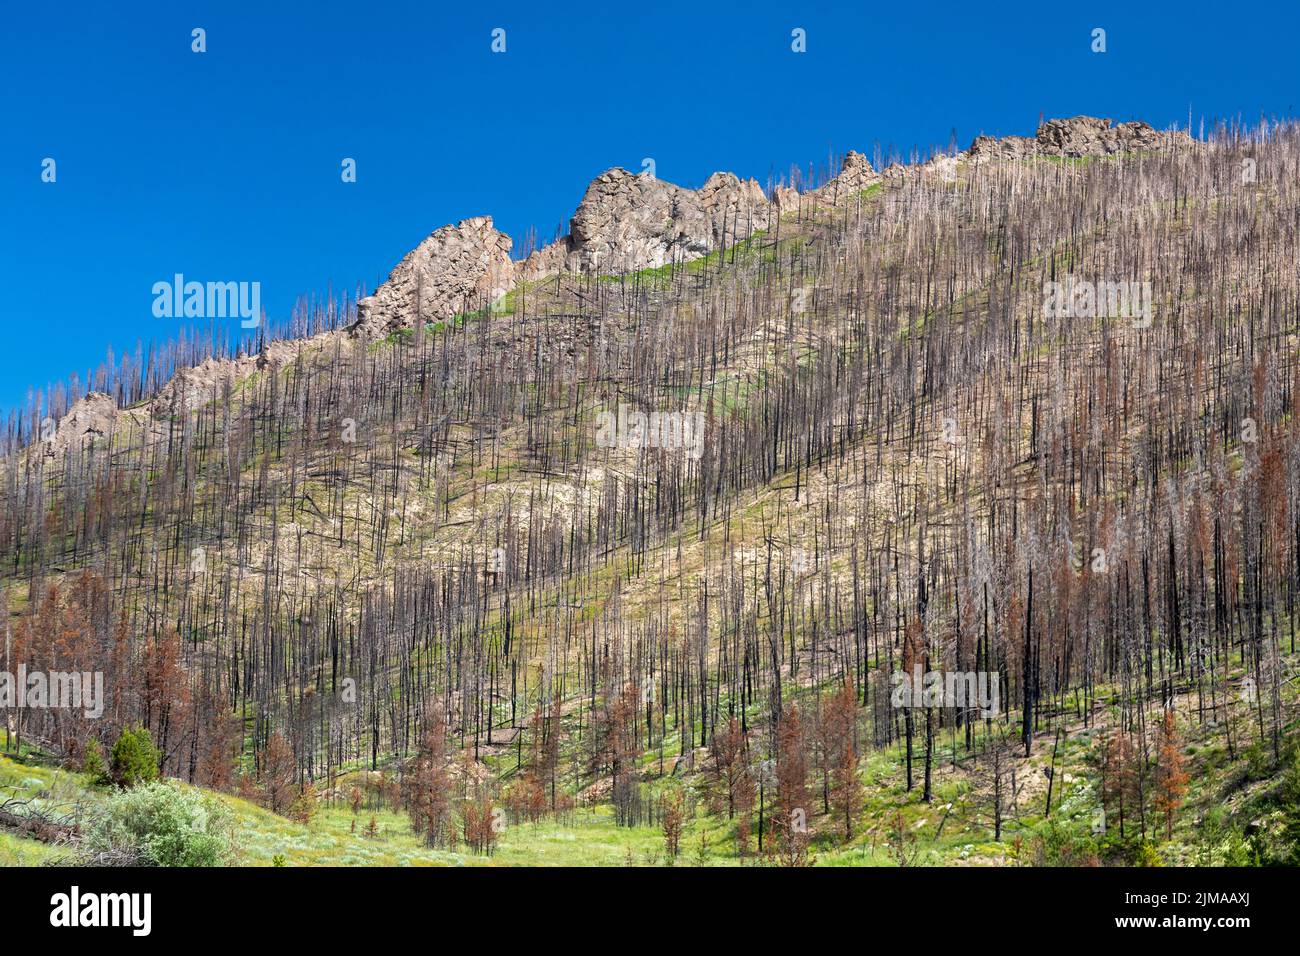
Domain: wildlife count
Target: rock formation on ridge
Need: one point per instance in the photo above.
(855, 175)
(88, 421)
(1075, 137)
(627, 222)
(454, 270)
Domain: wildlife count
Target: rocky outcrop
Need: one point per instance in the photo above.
(855, 175)
(628, 222)
(733, 209)
(785, 199)
(546, 261)
(192, 388)
(1009, 147)
(456, 269)
(1090, 136)
(1076, 137)
(87, 423)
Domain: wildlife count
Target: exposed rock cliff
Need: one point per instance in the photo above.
(454, 270)
(1075, 137)
(627, 222)
(88, 422)
(855, 175)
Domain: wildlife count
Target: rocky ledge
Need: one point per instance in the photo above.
(1076, 137)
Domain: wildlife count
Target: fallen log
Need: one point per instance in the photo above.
(19, 815)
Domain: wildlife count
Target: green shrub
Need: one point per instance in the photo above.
(1288, 798)
(162, 824)
(92, 764)
(1260, 763)
(1148, 855)
(1059, 843)
(135, 758)
(1219, 843)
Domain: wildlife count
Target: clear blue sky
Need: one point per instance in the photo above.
(225, 165)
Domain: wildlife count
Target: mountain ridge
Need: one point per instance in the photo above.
(625, 223)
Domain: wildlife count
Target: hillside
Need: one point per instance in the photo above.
(630, 543)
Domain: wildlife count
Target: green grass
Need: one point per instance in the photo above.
(583, 838)
(1067, 160)
(953, 829)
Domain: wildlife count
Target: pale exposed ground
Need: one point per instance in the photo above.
(307, 542)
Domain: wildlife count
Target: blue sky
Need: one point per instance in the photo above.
(225, 165)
